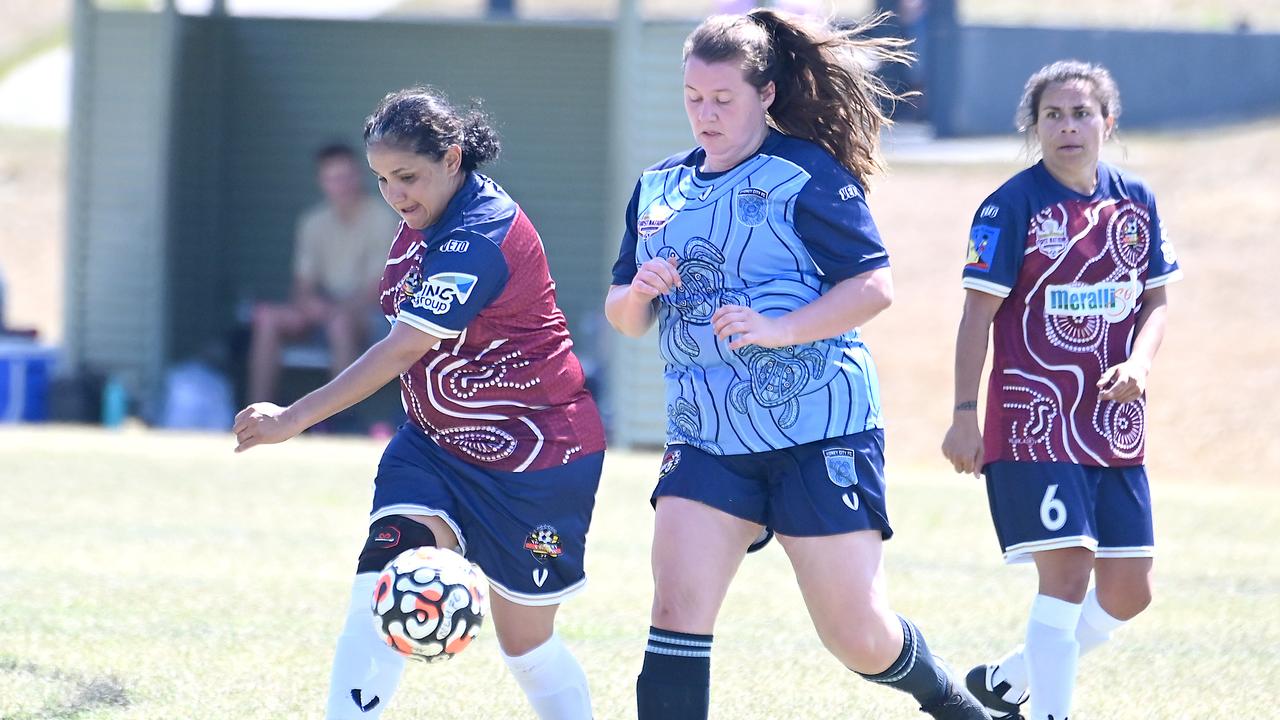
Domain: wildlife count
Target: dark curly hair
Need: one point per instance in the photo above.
(422, 119)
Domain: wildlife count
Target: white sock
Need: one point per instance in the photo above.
(1051, 653)
(552, 680)
(365, 670)
(1095, 628)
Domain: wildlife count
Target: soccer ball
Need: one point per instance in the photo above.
(429, 603)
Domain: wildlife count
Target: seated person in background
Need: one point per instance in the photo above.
(339, 255)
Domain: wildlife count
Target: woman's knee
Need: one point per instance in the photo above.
(867, 643)
(682, 606)
(1125, 601)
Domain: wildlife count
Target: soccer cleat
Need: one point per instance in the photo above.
(992, 694)
(957, 704)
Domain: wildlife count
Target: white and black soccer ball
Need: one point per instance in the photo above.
(429, 603)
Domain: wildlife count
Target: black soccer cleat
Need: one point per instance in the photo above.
(958, 704)
(992, 695)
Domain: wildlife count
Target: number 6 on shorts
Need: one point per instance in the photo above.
(1053, 512)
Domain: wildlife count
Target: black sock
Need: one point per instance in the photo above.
(915, 670)
(675, 682)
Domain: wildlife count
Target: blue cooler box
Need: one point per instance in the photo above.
(25, 370)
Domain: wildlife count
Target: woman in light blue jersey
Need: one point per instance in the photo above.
(756, 254)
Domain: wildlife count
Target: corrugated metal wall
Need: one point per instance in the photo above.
(115, 281)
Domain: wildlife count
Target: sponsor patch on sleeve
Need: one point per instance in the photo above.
(439, 292)
(982, 247)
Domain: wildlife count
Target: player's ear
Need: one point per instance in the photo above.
(767, 94)
(452, 158)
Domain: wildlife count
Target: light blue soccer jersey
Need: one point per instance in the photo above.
(773, 233)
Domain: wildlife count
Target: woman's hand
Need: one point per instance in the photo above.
(1124, 382)
(263, 424)
(963, 444)
(749, 327)
(655, 277)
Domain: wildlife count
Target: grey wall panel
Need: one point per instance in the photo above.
(1166, 79)
(115, 261)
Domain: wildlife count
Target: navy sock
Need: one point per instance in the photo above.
(675, 682)
(915, 671)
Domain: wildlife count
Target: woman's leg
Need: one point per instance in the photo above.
(542, 666)
(1051, 650)
(843, 583)
(689, 588)
(366, 672)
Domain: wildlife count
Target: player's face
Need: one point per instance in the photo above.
(1070, 126)
(726, 113)
(416, 186)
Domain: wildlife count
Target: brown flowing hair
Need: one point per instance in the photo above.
(826, 90)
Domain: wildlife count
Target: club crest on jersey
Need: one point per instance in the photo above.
(437, 294)
(1129, 233)
(654, 219)
(751, 204)
(670, 459)
(1112, 301)
(544, 543)
(1051, 235)
(840, 467)
(982, 246)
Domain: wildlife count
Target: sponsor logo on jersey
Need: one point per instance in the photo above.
(455, 246)
(1112, 301)
(751, 204)
(989, 211)
(982, 246)
(1051, 236)
(840, 467)
(654, 219)
(543, 543)
(670, 460)
(437, 294)
(849, 192)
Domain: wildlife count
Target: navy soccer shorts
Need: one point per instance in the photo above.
(827, 487)
(1046, 506)
(526, 530)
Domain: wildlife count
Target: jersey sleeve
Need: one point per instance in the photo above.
(1163, 267)
(995, 247)
(835, 225)
(457, 280)
(624, 268)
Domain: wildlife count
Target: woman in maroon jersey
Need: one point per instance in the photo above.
(502, 451)
(1069, 262)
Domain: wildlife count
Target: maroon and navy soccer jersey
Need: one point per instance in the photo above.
(1072, 269)
(503, 388)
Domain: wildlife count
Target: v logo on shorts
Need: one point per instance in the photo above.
(540, 576)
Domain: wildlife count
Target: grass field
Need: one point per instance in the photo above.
(150, 575)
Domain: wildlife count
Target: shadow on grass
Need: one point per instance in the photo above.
(90, 692)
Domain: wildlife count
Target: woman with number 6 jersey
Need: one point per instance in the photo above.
(1069, 261)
